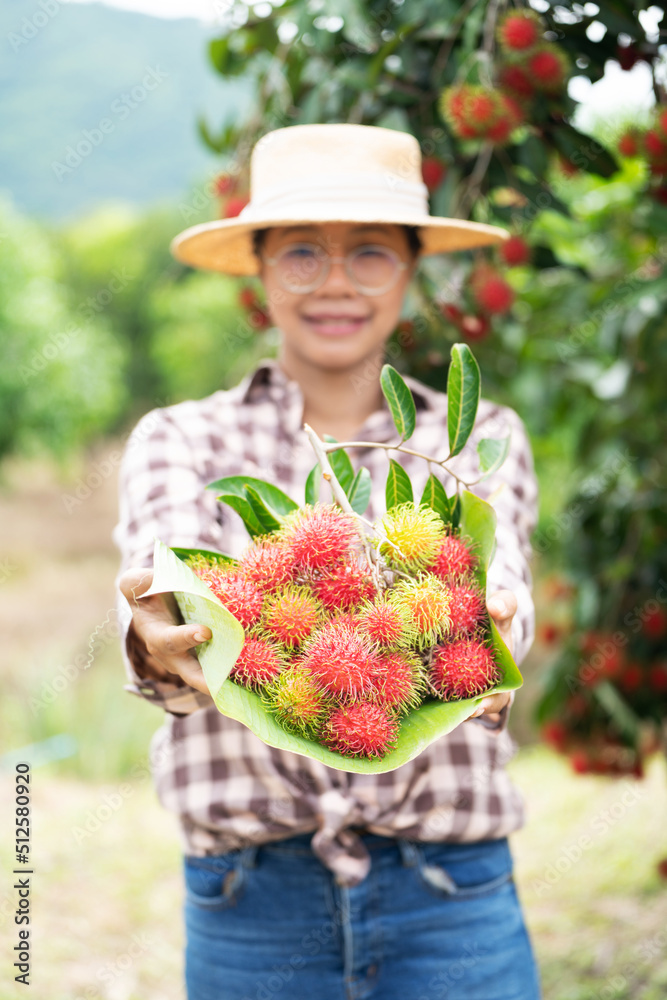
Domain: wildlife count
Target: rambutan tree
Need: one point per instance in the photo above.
(566, 317)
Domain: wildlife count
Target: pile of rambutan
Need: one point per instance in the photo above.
(346, 632)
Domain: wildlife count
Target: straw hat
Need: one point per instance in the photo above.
(329, 173)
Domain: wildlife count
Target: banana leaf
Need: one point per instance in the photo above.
(418, 729)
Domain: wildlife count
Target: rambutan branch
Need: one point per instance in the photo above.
(336, 446)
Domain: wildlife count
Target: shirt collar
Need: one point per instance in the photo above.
(269, 381)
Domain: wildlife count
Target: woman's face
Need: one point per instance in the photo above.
(336, 326)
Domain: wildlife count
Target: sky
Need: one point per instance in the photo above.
(618, 89)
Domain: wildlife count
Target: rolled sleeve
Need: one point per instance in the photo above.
(162, 495)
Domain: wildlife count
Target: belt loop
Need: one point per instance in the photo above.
(409, 852)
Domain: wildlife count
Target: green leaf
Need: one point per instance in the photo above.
(264, 515)
(244, 509)
(463, 390)
(455, 511)
(399, 488)
(400, 401)
(618, 709)
(312, 484)
(492, 453)
(434, 496)
(418, 729)
(271, 496)
(210, 554)
(341, 464)
(582, 150)
(360, 491)
(199, 605)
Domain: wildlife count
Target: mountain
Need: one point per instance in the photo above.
(100, 104)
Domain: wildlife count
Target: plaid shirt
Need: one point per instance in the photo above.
(230, 789)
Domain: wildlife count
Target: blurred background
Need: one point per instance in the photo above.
(120, 125)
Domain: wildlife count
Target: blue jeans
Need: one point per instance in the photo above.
(429, 921)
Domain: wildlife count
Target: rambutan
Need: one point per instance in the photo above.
(555, 734)
(632, 678)
(463, 669)
(467, 609)
(514, 79)
(297, 701)
(515, 251)
(475, 327)
(426, 599)
(268, 563)
(344, 587)
(433, 171)
(657, 677)
(290, 616)
(259, 662)
(413, 535)
(519, 30)
(453, 560)
(240, 596)
(494, 296)
(341, 660)
(398, 681)
(362, 729)
(319, 536)
(386, 625)
(548, 67)
(234, 207)
(630, 143)
(476, 112)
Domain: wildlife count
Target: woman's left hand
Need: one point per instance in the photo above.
(501, 606)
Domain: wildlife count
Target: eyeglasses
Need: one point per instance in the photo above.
(303, 267)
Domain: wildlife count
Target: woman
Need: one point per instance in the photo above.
(303, 881)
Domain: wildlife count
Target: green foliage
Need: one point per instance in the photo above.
(61, 380)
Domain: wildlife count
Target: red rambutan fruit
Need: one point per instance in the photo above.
(320, 536)
(515, 251)
(655, 623)
(454, 559)
(386, 625)
(291, 615)
(341, 660)
(298, 703)
(248, 297)
(467, 609)
(398, 682)
(259, 662)
(519, 30)
(427, 602)
(555, 734)
(234, 207)
(475, 327)
(224, 185)
(344, 587)
(451, 312)
(514, 79)
(240, 596)
(549, 68)
(270, 564)
(580, 762)
(631, 679)
(657, 678)
(433, 171)
(361, 730)
(463, 669)
(492, 293)
(629, 143)
(655, 145)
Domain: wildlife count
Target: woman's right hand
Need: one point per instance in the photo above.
(167, 649)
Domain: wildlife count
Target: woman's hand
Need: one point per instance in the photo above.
(167, 649)
(501, 605)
